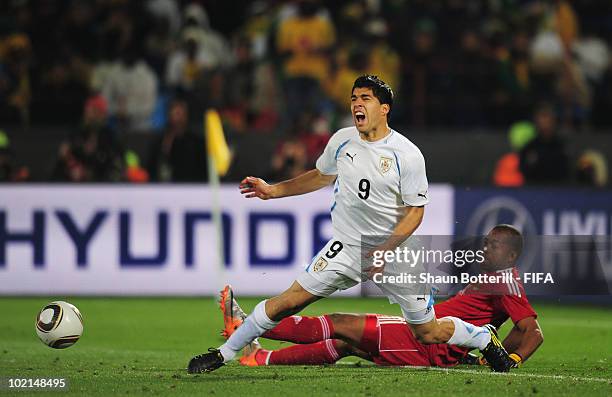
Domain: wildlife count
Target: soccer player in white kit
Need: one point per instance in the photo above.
(380, 190)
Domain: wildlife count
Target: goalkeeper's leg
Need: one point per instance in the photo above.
(302, 329)
(296, 329)
(323, 352)
(265, 316)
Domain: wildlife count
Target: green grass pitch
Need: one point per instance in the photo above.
(140, 346)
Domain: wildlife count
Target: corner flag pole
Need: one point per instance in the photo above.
(219, 159)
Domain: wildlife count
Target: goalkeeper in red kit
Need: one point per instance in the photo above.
(387, 340)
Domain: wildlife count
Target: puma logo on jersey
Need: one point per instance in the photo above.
(421, 299)
(421, 195)
(351, 157)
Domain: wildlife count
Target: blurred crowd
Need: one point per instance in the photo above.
(284, 70)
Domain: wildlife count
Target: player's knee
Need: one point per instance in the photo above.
(427, 337)
(424, 338)
(342, 348)
(338, 319)
(346, 325)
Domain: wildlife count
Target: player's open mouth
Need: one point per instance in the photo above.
(359, 117)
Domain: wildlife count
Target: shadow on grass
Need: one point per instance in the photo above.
(235, 373)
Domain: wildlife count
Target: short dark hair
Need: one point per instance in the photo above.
(515, 237)
(381, 90)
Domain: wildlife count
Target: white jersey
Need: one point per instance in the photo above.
(376, 180)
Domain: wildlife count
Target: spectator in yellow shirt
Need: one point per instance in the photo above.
(304, 41)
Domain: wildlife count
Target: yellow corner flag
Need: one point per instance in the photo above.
(215, 142)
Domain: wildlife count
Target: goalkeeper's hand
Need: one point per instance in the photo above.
(518, 360)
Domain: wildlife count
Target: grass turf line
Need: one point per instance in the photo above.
(140, 346)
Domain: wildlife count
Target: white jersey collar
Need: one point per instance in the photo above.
(380, 141)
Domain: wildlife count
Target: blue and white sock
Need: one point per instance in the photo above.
(468, 335)
(256, 324)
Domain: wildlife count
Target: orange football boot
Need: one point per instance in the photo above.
(248, 354)
(233, 316)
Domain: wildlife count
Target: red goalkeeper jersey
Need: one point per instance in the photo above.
(391, 342)
(482, 304)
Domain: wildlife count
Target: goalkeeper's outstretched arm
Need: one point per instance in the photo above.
(524, 338)
(307, 182)
(522, 341)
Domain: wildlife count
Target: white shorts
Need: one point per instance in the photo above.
(338, 267)
(335, 267)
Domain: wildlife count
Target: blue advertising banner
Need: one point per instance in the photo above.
(548, 212)
(566, 234)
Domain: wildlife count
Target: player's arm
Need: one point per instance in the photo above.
(307, 182)
(524, 338)
(413, 183)
(410, 221)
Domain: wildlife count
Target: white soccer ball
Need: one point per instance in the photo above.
(59, 325)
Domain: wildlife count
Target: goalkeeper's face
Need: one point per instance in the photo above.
(368, 113)
(498, 253)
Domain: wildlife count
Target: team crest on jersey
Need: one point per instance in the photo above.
(319, 265)
(385, 164)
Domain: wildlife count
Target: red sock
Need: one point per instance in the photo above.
(298, 329)
(324, 352)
